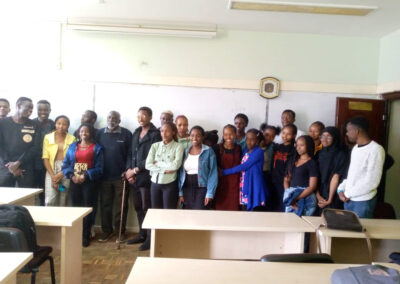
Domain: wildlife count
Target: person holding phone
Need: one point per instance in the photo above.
(55, 146)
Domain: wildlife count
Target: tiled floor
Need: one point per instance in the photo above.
(102, 263)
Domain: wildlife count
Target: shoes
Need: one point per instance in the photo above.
(92, 233)
(85, 242)
(105, 237)
(136, 240)
(122, 239)
(145, 245)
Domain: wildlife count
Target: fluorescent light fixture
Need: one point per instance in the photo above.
(299, 7)
(145, 29)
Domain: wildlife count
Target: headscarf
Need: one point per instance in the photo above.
(331, 159)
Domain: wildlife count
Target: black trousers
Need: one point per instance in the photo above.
(141, 202)
(82, 195)
(95, 201)
(164, 195)
(193, 194)
(39, 181)
(276, 197)
(111, 197)
(7, 179)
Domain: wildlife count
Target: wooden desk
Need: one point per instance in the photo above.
(176, 271)
(10, 264)
(214, 234)
(61, 228)
(18, 195)
(351, 247)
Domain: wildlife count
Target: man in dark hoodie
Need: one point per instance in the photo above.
(19, 145)
(137, 175)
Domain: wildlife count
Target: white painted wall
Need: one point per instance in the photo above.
(209, 107)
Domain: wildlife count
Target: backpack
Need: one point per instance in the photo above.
(15, 216)
(366, 274)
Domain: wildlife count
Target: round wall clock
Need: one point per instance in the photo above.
(269, 87)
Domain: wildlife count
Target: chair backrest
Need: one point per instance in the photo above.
(298, 257)
(15, 216)
(12, 240)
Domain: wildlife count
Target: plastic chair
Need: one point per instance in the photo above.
(298, 257)
(13, 240)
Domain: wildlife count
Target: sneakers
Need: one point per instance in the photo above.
(122, 239)
(136, 240)
(105, 237)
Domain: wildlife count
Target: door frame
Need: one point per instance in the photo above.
(388, 98)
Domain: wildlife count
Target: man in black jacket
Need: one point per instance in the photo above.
(137, 175)
(19, 144)
(116, 141)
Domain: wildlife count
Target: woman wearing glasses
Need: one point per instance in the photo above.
(333, 163)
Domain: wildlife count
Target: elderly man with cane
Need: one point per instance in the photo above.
(116, 141)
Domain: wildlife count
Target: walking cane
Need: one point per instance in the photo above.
(122, 213)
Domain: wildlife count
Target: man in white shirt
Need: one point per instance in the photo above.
(288, 116)
(358, 191)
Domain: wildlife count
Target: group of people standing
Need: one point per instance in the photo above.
(266, 169)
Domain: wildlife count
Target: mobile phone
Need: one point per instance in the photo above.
(61, 187)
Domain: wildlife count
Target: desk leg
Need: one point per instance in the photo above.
(153, 243)
(71, 253)
(326, 244)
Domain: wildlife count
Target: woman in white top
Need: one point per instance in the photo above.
(198, 175)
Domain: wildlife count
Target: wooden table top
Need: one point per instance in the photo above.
(11, 195)
(11, 263)
(376, 228)
(224, 221)
(175, 271)
(57, 216)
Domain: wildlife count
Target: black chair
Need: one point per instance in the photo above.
(298, 257)
(13, 240)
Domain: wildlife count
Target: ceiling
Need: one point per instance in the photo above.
(384, 20)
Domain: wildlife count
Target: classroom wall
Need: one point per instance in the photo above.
(389, 62)
(234, 58)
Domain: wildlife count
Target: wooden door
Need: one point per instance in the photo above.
(373, 110)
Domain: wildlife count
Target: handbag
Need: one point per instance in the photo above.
(337, 219)
(341, 220)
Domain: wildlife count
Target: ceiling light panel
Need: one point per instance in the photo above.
(298, 7)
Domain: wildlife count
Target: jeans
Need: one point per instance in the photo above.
(364, 209)
(111, 197)
(164, 195)
(310, 204)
